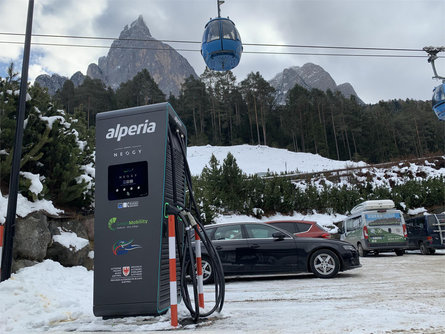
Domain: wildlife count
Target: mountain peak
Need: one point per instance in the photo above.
(308, 76)
(136, 50)
(137, 29)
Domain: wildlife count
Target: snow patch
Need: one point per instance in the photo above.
(25, 207)
(418, 211)
(70, 240)
(36, 186)
(262, 159)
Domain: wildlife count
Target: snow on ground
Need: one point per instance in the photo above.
(263, 159)
(389, 294)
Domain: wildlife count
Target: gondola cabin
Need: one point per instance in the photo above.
(221, 45)
(438, 101)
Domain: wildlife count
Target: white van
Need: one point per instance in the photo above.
(375, 226)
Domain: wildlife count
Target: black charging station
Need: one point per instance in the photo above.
(139, 170)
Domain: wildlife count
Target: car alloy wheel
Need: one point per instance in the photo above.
(207, 271)
(325, 263)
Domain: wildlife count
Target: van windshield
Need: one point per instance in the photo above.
(383, 218)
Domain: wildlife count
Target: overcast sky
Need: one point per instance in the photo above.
(358, 23)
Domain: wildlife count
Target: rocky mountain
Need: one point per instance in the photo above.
(55, 81)
(77, 78)
(136, 50)
(133, 51)
(308, 76)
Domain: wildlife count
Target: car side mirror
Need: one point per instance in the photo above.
(279, 235)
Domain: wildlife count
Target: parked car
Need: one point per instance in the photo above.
(251, 248)
(426, 233)
(302, 228)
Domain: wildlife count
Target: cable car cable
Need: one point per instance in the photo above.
(194, 50)
(197, 42)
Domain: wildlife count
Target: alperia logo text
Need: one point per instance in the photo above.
(121, 131)
(114, 224)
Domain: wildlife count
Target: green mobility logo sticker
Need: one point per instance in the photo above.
(114, 224)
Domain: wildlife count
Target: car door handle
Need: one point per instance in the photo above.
(254, 246)
(218, 247)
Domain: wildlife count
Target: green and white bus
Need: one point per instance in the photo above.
(375, 226)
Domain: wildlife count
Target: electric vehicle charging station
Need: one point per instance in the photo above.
(139, 170)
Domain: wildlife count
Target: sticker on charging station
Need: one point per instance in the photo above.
(128, 205)
(126, 274)
(114, 224)
(122, 247)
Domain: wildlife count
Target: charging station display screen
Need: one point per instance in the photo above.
(127, 180)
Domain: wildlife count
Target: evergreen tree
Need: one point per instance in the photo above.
(52, 148)
(232, 184)
(192, 106)
(139, 91)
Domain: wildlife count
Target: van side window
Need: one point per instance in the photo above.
(353, 224)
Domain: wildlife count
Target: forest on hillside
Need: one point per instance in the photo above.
(58, 144)
(219, 111)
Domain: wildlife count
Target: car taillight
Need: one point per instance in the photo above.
(326, 236)
(404, 231)
(365, 232)
(429, 239)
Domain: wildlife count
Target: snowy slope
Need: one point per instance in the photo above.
(251, 160)
(262, 159)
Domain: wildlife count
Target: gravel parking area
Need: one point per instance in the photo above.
(389, 294)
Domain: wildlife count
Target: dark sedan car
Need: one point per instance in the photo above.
(261, 249)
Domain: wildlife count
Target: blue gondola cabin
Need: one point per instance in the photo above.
(221, 45)
(438, 101)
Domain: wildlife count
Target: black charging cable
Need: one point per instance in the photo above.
(193, 224)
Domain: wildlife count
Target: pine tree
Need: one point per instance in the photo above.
(139, 91)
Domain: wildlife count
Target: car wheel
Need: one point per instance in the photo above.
(207, 271)
(400, 252)
(361, 251)
(423, 249)
(325, 263)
